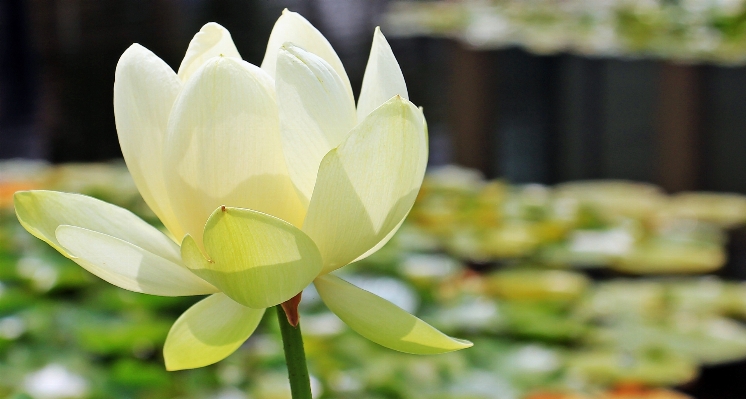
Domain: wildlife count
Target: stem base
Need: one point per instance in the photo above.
(295, 357)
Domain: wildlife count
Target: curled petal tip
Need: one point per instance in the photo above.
(135, 46)
(212, 25)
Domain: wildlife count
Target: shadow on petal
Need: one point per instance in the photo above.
(342, 226)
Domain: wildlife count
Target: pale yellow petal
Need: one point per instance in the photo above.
(211, 41)
(391, 234)
(208, 332)
(42, 212)
(292, 27)
(256, 259)
(316, 113)
(128, 266)
(224, 148)
(145, 89)
(367, 185)
(383, 78)
(381, 321)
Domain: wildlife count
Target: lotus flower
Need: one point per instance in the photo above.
(269, 177)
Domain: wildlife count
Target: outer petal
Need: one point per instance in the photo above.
(208, 332)
(393, 232)
(211, 41)
(145, 88)
(223, 147)
(292, 27)
(383, 78)
(42, 212)
(129, 266)
(255, 259)
(381, 321)
(368, 184)
(316, 113)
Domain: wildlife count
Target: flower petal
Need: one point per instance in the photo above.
(316, 113)
(224, 148)
(211, 41)
(208, 332)
(368, 184)
(145, 88)
(42, 212)
(381, 321)
(383, 78)
(256, 259)
(128, 266)
(395, 229)
(292, 27)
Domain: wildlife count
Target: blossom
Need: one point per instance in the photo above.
(269, 177)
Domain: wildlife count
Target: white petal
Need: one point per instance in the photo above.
(145, 89)
(208, 332)
(42, 212)
(368, 184)
(292, 27)
(211, 41)
(129, 266)
(381, 321)
(316, 113)
(223, 147)
(383, 78)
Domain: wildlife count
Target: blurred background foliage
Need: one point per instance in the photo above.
(545, 280)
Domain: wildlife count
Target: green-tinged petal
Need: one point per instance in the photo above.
(41, 212)
(224, 148)
(368, 184)
(316, 113)
(292, 27)
(128, 266)
(393, 232)
(211, 41)
(145, 89)
(383, 78)
(208, 332)
(256, 259)
(381, 321)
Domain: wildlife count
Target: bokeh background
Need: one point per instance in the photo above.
(574, 243)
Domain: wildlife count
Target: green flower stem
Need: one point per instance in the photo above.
(295, 357)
